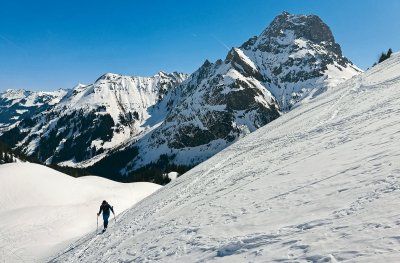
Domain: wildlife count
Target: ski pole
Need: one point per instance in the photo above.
(115, 221)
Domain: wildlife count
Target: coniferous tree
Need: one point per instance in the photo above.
(6, 159)
(385, 56)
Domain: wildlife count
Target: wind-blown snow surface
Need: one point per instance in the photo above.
(319, 184)
(41, 210)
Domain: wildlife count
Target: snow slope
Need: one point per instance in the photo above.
(320, 184)
(41, 209)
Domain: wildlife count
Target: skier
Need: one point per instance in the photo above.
(105, 208)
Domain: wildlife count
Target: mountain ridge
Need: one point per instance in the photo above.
(190, 118)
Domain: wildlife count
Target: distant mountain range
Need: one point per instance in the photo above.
(16, 105)
(138, 128)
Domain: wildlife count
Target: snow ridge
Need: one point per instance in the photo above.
(42, 210)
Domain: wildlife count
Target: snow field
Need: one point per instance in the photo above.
(42, 210)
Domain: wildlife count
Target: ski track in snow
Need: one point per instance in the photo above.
(319, 184)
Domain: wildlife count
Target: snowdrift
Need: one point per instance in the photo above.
(41, 210)
(319, 184)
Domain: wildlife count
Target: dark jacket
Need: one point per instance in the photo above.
(105, 208)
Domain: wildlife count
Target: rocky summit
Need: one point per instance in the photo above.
(298, 57)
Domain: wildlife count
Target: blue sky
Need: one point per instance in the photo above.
(46, 45)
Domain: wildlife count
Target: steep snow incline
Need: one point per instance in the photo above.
(321, 184)
(41, 210)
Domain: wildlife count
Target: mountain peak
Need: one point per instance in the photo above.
(161, 74)
(108, 76)
(206, 63)
(309, 27)
(174, 75)
(297, 53)
(16, 93)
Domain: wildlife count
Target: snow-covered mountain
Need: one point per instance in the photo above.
(319, 184)
(16, 105)
(43, 210)
(216, 106)
(294, 59)
(91, 119)
(298, 57)
(133, 128)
